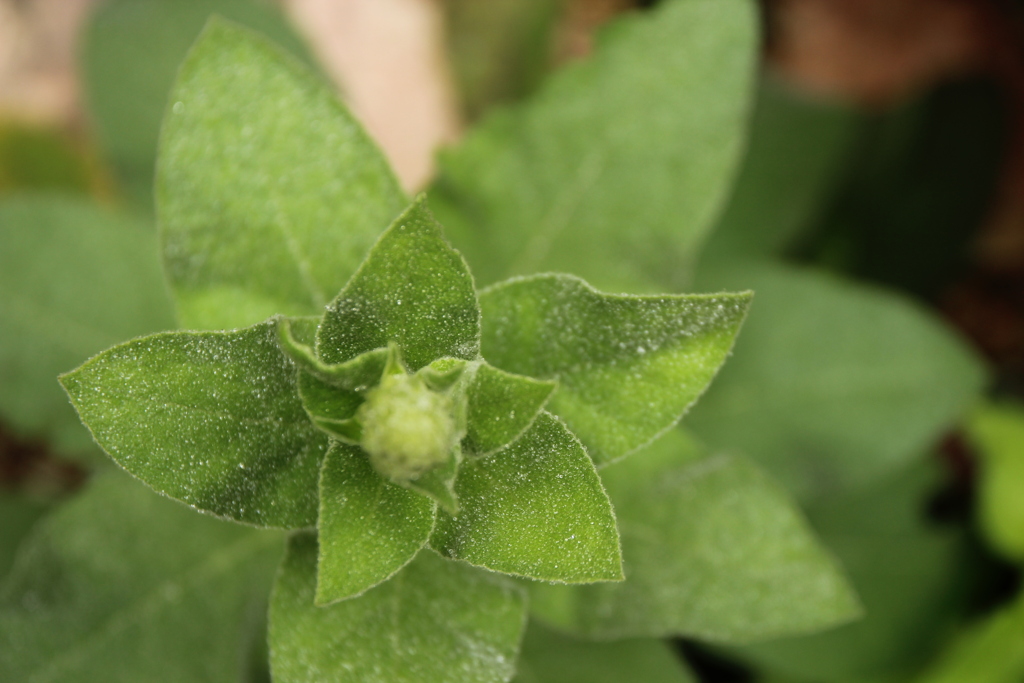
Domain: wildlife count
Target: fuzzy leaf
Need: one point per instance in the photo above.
(269, 193)
(535, 509)
(438, 484)
(551, 657)
(413, 290)
(331, 409)
(434, 622)
(998, 432)
(444, 374)
(712, 549)
(212, 419)
(74, 280)
(630, 152)
(628, 367)
(909, 572)
(833, 384)
(501, 406)
(369, 528)
(121, 585)
(131, 51)
(331, 394)
(358, 374)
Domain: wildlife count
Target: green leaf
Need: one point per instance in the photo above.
(369, 528)
(833, 384)
(998, 432)
(551, 657)
(269, 193)
(438, 484)
(799, 146)
(434, 622)
(74, 280)
(712, 549)
(910, 574)
(212, 419)
(444, 374)
(628, 367)
(501, 407)
(991, 651)
(616, 169)
(331, 394)
(535, 509)
(131, 51)
(331, 409)
(122, 585)
(413, 290)
(358, 374)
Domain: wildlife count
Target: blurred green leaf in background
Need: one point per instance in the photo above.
(131, 53)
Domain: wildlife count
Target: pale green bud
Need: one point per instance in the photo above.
(407, 428)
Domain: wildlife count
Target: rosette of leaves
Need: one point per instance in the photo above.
(381, 425)
(422, 441)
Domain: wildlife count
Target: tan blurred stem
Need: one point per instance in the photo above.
(38, 48)
(388, 58)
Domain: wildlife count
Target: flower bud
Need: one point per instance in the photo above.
(407, 429)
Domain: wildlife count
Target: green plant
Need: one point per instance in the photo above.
(379, 423)
(515, 506)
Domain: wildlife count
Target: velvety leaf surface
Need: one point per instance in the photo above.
(989, 652)
(434, 622)
(712, 549)
(121, 586)
(998, 432)
(630, 152)
(833, 384)
(628, 367)
(909, 572)
(357, 374)
(414, 290)
(501, 407)
(329, 408)
(798, 148)
(535, 509)
(331, 394)
(131, 51)
(74, 280)
(210, 418)
(369, 528)
(269, 193)
(438, 484)
(551, 657)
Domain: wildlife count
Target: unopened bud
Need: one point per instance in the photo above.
(407, 428)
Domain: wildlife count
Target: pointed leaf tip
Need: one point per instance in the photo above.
(535, 509)
(628, 367)
(212, 419)
(413, 289)
(244, 236)
(369, 528)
